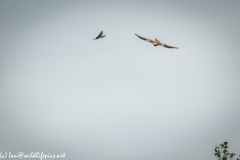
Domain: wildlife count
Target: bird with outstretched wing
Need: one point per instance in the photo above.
(100, 36)
(156, 42)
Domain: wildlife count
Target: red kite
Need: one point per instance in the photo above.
(156, 42)
(100, 36)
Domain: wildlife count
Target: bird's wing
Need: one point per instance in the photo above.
(145, 39)
(164, 45)
(167, 46)
(100, 34)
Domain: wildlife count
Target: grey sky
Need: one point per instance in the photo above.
(119, 97)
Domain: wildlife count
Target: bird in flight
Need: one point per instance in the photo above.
(156, 42)
(100, 36)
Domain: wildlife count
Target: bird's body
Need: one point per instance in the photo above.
(156, 42)
(100, 36)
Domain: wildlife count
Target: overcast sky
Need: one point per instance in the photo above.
(120, 98)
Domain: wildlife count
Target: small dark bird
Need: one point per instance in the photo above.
(100, 36)
(156, 42)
